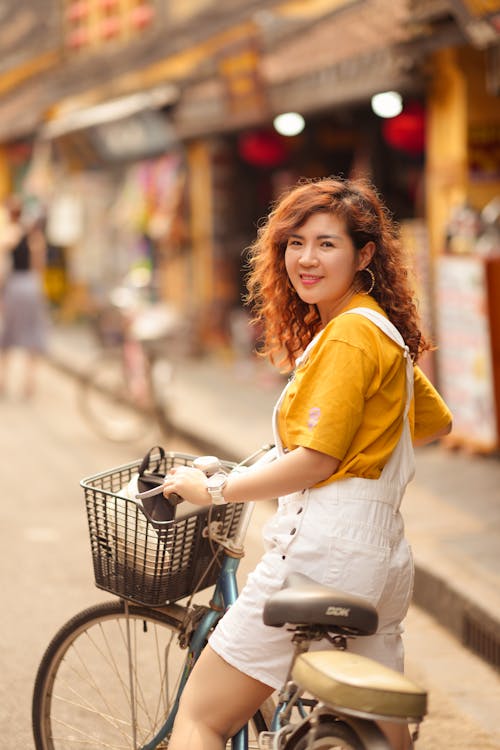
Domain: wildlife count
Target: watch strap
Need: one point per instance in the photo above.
(215, 485)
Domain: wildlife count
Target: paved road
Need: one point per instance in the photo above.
(46, 572)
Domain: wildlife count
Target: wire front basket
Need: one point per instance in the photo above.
(145, 561)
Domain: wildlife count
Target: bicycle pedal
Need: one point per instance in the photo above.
(267, 740)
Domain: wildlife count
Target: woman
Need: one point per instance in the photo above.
(23, 304)
(329, 285)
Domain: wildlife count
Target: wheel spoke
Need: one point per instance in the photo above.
(84, 691)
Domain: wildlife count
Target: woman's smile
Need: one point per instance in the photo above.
(322, 262)
(309, 279)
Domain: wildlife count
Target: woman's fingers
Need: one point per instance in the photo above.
(189, 483)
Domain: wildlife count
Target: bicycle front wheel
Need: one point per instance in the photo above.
(107, 680)
(109, 403)
(330, 734)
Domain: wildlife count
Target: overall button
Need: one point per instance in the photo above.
(300, 510)
(293, 531)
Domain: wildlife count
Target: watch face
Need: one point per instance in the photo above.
(215, 485)
(217, 482)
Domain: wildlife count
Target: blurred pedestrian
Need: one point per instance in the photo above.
(23, 305)
(330, 287)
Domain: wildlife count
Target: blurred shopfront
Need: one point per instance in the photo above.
(166, 170)
(463, 216)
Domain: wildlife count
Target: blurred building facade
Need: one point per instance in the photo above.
(146, 129)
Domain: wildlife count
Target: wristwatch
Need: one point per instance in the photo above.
(215, 485)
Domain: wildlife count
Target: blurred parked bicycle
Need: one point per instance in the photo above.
(124, 392)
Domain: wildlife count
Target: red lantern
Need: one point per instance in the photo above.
(406, 132)
(262, 148)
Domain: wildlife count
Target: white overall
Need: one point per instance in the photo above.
(348, 534)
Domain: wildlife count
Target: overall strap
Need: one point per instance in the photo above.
(382, 322)
(392, 332)
(400, 468)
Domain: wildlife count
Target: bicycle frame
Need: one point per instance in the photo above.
(225, 594)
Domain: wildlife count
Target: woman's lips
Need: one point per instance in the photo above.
(308, 280)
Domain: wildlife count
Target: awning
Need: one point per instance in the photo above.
(112, 111)
(305, 54)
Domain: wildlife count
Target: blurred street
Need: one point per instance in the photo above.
(47, 574)
(143, 142)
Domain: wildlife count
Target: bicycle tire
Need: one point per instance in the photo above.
(330, 734)
(107, 405)
(82, 697)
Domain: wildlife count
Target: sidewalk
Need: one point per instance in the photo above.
(451, 509)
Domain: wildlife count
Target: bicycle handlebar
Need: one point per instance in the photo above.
(269, 452)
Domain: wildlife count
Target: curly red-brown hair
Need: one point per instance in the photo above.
(288, 323)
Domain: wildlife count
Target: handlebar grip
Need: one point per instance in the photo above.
(175, 499)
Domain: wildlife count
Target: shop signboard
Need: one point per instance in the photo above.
(464, 350)
(139, 136)
(240, 69)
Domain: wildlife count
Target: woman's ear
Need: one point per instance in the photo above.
(365, 255)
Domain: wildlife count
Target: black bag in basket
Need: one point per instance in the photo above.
(157, 507)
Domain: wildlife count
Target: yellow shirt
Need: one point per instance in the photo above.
(347, 399)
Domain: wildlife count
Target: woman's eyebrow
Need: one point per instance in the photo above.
(318, 237)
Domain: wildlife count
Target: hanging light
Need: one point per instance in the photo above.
(387, 104)
(289, 123)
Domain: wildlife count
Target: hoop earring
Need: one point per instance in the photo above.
(372, 277)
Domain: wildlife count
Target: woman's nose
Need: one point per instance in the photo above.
(308, 255)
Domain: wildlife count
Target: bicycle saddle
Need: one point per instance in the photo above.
(359, 686)
(303, 601)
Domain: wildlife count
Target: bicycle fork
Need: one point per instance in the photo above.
(225, 593)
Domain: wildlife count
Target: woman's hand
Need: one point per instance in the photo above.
(189, 483)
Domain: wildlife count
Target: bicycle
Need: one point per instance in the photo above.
(122, 394)
(112, 676)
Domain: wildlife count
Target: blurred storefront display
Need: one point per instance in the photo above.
(468, 305)
(463, 195)
(468, 312)
(173, 158)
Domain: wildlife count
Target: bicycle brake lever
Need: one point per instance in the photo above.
(150, 493)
